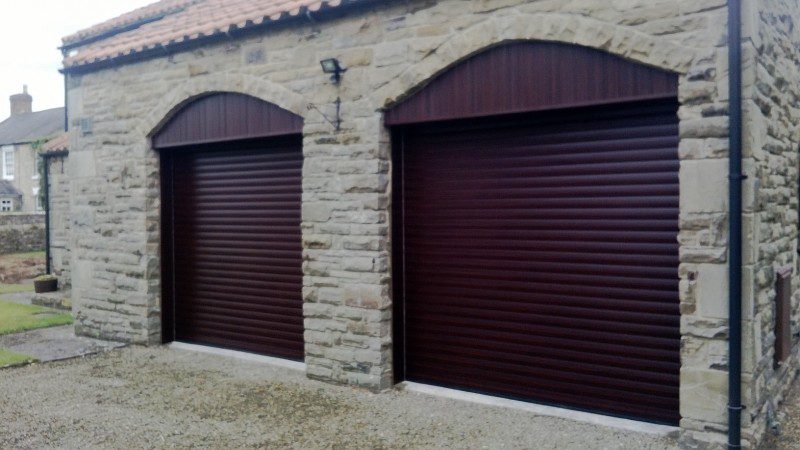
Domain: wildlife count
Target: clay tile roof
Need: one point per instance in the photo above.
(142, 14)
(171, 22)
(57, 144)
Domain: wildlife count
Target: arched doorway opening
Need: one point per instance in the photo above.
(536, 215)
(231, 168)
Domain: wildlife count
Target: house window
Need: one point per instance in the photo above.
(37, 168)
(6, 205)
(37, 199)
(8, 162)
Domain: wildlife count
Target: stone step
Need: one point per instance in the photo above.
(58, 300)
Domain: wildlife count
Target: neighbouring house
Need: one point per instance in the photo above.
(10, 197)
(524, 198)
(20, 136)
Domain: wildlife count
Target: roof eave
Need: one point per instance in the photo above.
(26, 142)
(54, 153)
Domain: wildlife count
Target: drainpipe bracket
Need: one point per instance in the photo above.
(735, 413)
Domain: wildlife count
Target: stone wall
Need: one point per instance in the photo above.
(21, 233)
(772, 140)
(59, 220)
(390, 50)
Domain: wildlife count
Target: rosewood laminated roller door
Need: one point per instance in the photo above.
(233, 244)
(541, 258)
(238, 254)
(536, 219)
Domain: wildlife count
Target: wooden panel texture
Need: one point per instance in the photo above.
(226, 117)
(532, 76)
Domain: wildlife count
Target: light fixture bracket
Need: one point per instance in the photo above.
(336, 122)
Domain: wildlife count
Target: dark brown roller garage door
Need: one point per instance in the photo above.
(231, 246)
(237, 247)
(540, 257)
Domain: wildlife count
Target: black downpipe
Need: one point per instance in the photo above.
(46, 176)
(46, 158)
(735, 177)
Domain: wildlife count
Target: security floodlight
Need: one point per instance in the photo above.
(333, 67)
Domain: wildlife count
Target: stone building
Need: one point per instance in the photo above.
(528, 198)
(19, 159)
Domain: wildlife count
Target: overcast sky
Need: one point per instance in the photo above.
(30, 34)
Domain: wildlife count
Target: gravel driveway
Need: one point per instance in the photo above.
(162, 397)
(789, 439)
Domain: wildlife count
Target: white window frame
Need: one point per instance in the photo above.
(6, 205)
(36, 166)
(37, 200)
(5, 151)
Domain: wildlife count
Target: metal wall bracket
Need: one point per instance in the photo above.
(335, 122)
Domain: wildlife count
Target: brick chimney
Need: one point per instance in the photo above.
(21, 103)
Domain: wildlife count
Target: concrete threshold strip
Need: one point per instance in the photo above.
(543, 410)
(252, 357)
(454, 394)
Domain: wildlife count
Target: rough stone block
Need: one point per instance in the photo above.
(704, 186)
(704, 395)
(712, 290)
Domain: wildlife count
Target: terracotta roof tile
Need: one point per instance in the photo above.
(57, 144)
(182, 21)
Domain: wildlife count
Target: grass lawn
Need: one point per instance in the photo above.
(9, 358)
(14, 288)
(39, 255)
(15, 317)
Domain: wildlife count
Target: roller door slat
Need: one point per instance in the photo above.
(629, 346)
(461, 305)
(280, 347)
(571, 350)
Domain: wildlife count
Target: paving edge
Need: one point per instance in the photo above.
(20, 364)
(65, 358)
(543, 410)
(252, 357)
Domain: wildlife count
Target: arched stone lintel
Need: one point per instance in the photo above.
(260, 88)
(619, 40)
